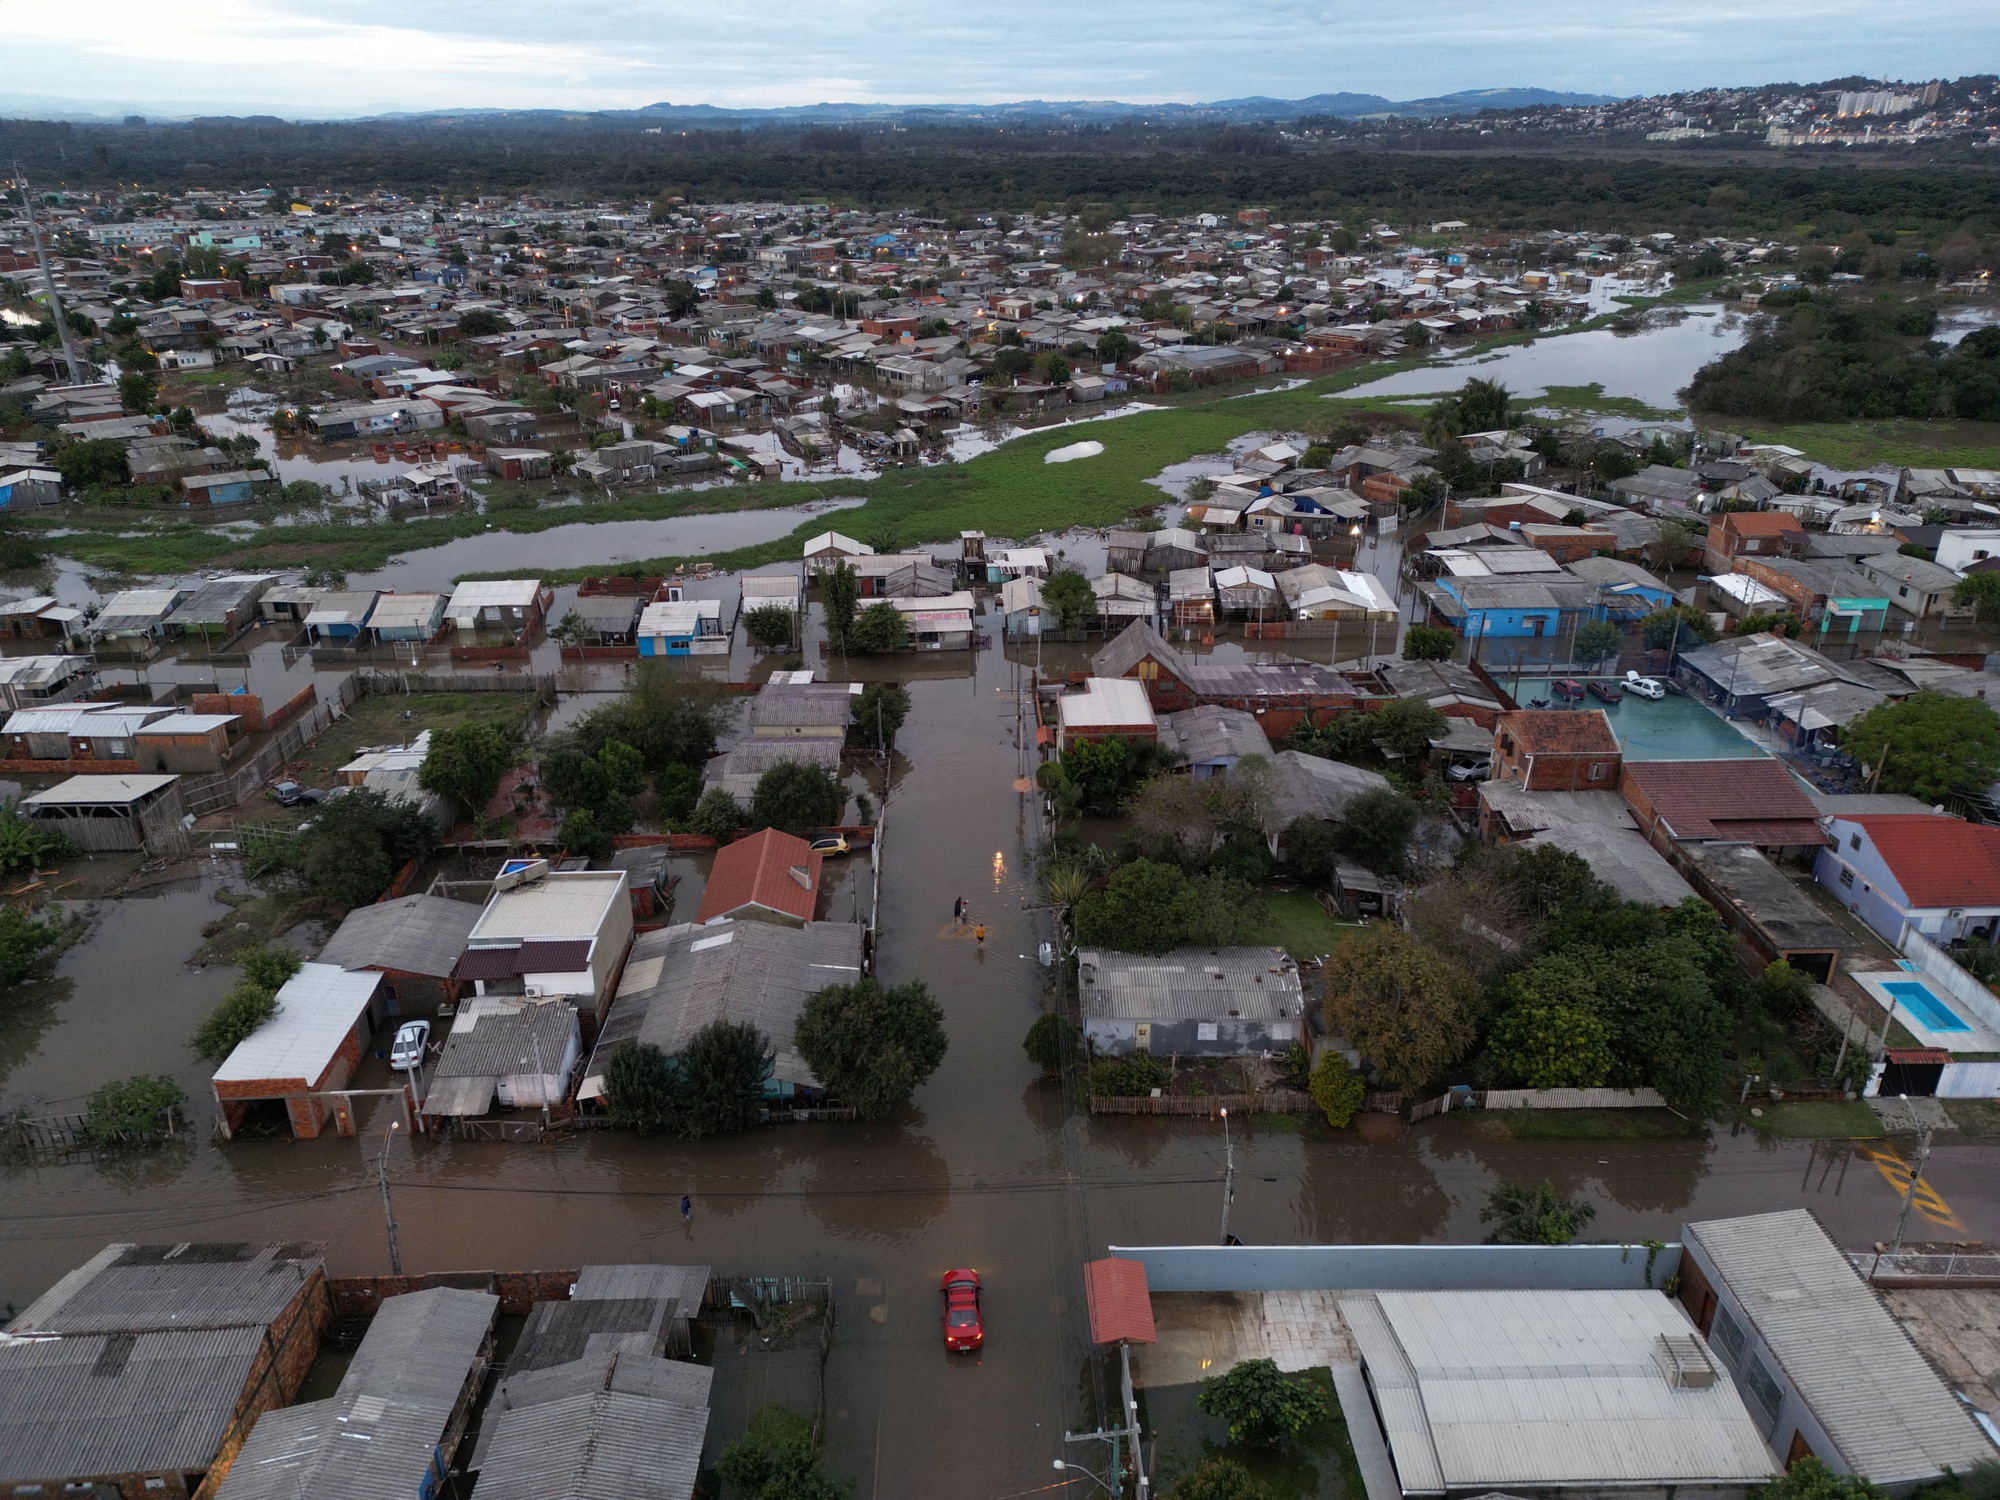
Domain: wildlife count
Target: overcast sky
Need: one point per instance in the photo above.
(311, 58)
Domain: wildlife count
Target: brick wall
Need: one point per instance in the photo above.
(246, 706)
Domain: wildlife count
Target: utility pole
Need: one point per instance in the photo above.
(1228, 1175)
(388, 1213)
(48, 279)
(1916, 1176)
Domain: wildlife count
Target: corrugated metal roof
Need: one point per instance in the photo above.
(98, 791)
(1849, 1360)
(1542, 1388)
(112, 1403)
(493, 593)
(490, 1035)
(763, 974)
(685, 1284)
(317, 1009)
(1105, 702)
(376, 1437)
(608, 1445)
(411, 934)
(129, 1288)
(1210, 732)
(1190, 984)
(401, 611)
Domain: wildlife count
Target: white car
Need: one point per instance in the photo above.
(406, 1053)
(1645, 687)
(1476, 771)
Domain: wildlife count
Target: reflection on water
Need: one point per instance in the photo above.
(611, 543)
(881, 1184)
(1650, 365)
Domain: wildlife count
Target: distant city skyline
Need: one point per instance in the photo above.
(299, 59)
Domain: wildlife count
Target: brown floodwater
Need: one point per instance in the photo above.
(986, 1168)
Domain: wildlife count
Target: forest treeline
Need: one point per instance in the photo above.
(950, 169)
(1824, 357)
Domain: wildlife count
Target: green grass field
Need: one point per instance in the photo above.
(1817, 1120)
(1913, 445)
(379, 721)
(1591, 398)
(1296, 922)
(1589, 1124)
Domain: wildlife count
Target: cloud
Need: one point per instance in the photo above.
(427, 54)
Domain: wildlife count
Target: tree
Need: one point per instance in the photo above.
(872, 1047)
(724, 1067)
(1808, 1478)
(24, 944)
(641, 1089)
(269, 968)
(879, 711)
(770, 625)
(1597, 639)
(480, 323)
(1669, 546)
(775, 1460)
(1337, 1089)
(1217, 1478)
(92, 461)
(1263, 1407)
(1981, 591)
(1375, 828)
(717, 815)
(1537, 1215)
(678, 789)
(1051, 1042)
(137, 390)
(130, 1109)
(1407, 1010)
(1143, 908)
(581, 834)
(356, 842)
(1114, 347)
(1930, 746)
(841, 592)
(878, 630)
(1429, 643)
(1546, 1043)
(1067, 595)
(26, 845)
(465, 764)
(668, 718)
(798, 798)
(242, 1009)
(1675, 629)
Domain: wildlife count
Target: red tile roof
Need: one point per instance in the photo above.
(1762, 522)
(1561, 731)
(1121, 1309)
(759, 871)
(1737, 801)
(1938, 861)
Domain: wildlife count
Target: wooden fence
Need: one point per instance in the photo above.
(375, 680)
(1268, 1102)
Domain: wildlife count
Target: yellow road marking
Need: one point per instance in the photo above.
(1896, 1172)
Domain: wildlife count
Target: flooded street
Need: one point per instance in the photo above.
(988, 1167)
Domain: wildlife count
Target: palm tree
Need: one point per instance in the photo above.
(1063, 885)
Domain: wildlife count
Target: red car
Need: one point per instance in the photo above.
(964, 1329)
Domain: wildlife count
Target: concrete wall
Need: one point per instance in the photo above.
(1282, 1268)
(1226, 1038)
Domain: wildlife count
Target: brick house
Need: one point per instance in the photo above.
(1557, 750)
(1751, 801)
(1282, 694)
(1752, 533)
(310, 1048)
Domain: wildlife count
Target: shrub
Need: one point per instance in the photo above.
(241, 1011)
(1262, 1406)
(769, 625)
(1051, 1041)
(130, 1109)
(716, 815)
(269, 968)
(1429, 643)
(1337, 1089)
(872, 1047)
(797, 798)
(639, 1086)
(1217, 1478)
(1132, 1077)
(24, 944)
(1537, 1215)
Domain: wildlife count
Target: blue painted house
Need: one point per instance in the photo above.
(231, 487)
(26, 487)
(1530, 607)
(1624, 589)
(683, 627)
(1940, 875)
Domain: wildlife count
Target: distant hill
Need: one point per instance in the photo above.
(1245, 111)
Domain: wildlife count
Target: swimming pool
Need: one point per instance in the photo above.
(1922, 1006)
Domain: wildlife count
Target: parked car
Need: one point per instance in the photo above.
(1568, 689)
(830, 845)
(1645, 687)
(1605, 690)
(291, 794)
(406, 1052)
(1470, 771)
(964, 1328)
